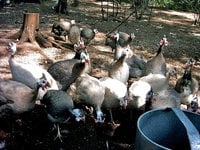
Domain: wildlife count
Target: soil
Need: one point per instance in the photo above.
(32, 130)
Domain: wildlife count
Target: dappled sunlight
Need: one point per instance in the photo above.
(187, 15)
(196, 34)
(173, 17)
(183, 38)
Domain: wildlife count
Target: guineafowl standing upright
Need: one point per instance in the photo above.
(115, 95)
(119, 69)
(60, 108)
(81, 67)
(136, 63)
(62, 70)
(85, 88)
(187, 84)
(62, 27)
(166, 98)
(157, 64)
(140, 95)
(27, 73)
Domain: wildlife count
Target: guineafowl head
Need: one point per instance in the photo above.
(132, 36)
(163, 41)
(43, 83)
(172, 72)
(95, 31)
(78, 48)
(84, 57)
(150, 97)
(126, 52)
(116, 36)
(73, 22)
(190, 63)
(42, 87)
(12, 48)
(79, 45)
(79, 114)
(193, 102)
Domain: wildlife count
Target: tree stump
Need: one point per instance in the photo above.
(29, 37)
(29, 28)
(28, 32)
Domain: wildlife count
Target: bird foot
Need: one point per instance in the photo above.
(114, 125)
(58, 134)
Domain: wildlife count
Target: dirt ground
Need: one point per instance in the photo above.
(33, 130)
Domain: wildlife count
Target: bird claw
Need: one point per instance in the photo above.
(99, 120)
(114, 125)
(58, 133)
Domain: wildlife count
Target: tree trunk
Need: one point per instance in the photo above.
(31, 39)
(61, 7)
(28, 33)
(30, 26)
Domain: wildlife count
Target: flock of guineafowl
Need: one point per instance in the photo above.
(68, 82)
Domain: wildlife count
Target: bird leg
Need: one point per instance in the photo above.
(115, 125)
(107, 145)
(58, 133)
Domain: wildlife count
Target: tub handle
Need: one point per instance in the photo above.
(192, 132)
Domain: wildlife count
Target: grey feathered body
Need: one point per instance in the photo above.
(58, 105)
(74, 34)
(16, 97)
(157, 64)
(30, 74)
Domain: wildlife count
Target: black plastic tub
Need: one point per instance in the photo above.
(162, 129)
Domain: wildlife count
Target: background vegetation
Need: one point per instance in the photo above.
(189, 5)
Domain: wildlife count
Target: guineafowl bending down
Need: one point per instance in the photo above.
(157, 64)
(159, 81)
(87, 35)
(62, 70)
(116, 94)
(140, 95)
(60, 108)
(166, 98)
(119, 69)
(17, 98)
(89, 90)
(27, 73)
(62, 27)
(187, 84)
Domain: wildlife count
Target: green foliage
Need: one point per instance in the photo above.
(189, 5)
